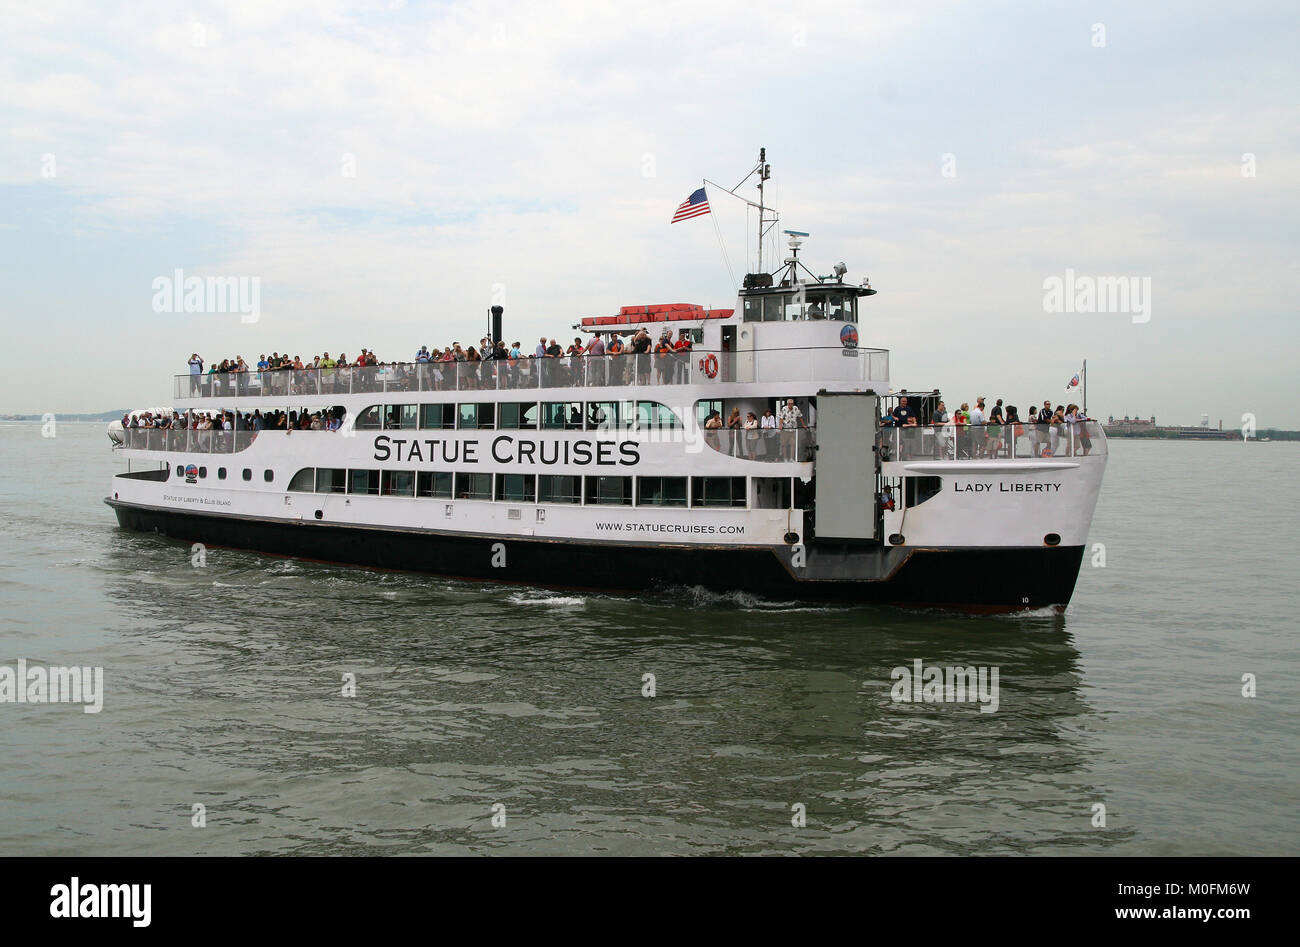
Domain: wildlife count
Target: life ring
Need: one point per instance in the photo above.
(709, 365)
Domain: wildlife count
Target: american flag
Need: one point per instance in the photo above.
(694, 206)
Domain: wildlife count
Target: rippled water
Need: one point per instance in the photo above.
(223, 688)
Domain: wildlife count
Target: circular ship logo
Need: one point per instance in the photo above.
(191, 474)
(849, 336)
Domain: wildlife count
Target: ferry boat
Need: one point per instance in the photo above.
(611, 472)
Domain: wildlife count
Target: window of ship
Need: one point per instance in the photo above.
(474, 416)
(437, 417)
(221, 473)
(433, 483)
(304, 481)
(401, 417)
(562, 415)
(652, 415)
(331, 480)
(704, 408)
(661, 491)
(473, 486)
(609, 415)
(552, 488)
(614, 491)
(268, 475)
(517, 488)
(789, 307)
(369, 419)
(180, 471)
(248, 473)
(363, 482)
(518, 415)
(718, 491)
(203, 473)
(397, 483)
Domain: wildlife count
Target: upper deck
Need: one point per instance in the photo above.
(850, 368)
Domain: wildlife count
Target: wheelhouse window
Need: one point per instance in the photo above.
(516, 488)
(518, 415)
(363, 482)
(661, 491)
(789, 307)
(475, 416)
(609, 491)
(473, 486)
(331, 480)
(304, 481)
(436, 417)
(397, 483)
(552, 488)
(432, 483)
(401, 417)
(718, 491)
(562, 415)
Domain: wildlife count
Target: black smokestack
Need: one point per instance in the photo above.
(496, 324)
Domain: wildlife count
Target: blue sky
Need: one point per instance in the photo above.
(538, 150)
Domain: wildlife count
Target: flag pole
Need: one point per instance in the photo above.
(1085, 386)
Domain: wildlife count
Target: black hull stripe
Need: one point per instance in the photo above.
(996, 579)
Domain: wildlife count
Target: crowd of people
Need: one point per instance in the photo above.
(487, 365)
(774, 436)
(329, 419)
(982, 432)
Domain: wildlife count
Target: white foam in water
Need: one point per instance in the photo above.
(556, 600)
(748, 601)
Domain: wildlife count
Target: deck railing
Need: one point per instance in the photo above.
(770, 445)
(992, 441)
(583, 371)
(196, 441)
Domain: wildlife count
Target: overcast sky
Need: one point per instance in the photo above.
(383, 169)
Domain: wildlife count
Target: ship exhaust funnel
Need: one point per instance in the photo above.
(495, 329)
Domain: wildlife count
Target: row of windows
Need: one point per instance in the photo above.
(519, 415)
(524, 488)
(267, 475)
(780, 307)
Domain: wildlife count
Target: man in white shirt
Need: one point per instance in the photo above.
(978, 431)
(790, 420)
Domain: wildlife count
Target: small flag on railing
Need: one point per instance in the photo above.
(1074, 382)
(694, 206)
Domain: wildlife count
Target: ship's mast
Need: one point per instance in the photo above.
(765, 223)
(764, 172)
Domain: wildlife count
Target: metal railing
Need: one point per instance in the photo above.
(770, 445)
(196, 441)
(582, 371)
(992, 441)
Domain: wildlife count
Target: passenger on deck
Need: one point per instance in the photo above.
(791, 421)
(596, 364)
(751, 435)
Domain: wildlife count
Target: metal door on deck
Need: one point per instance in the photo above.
(845, 468)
